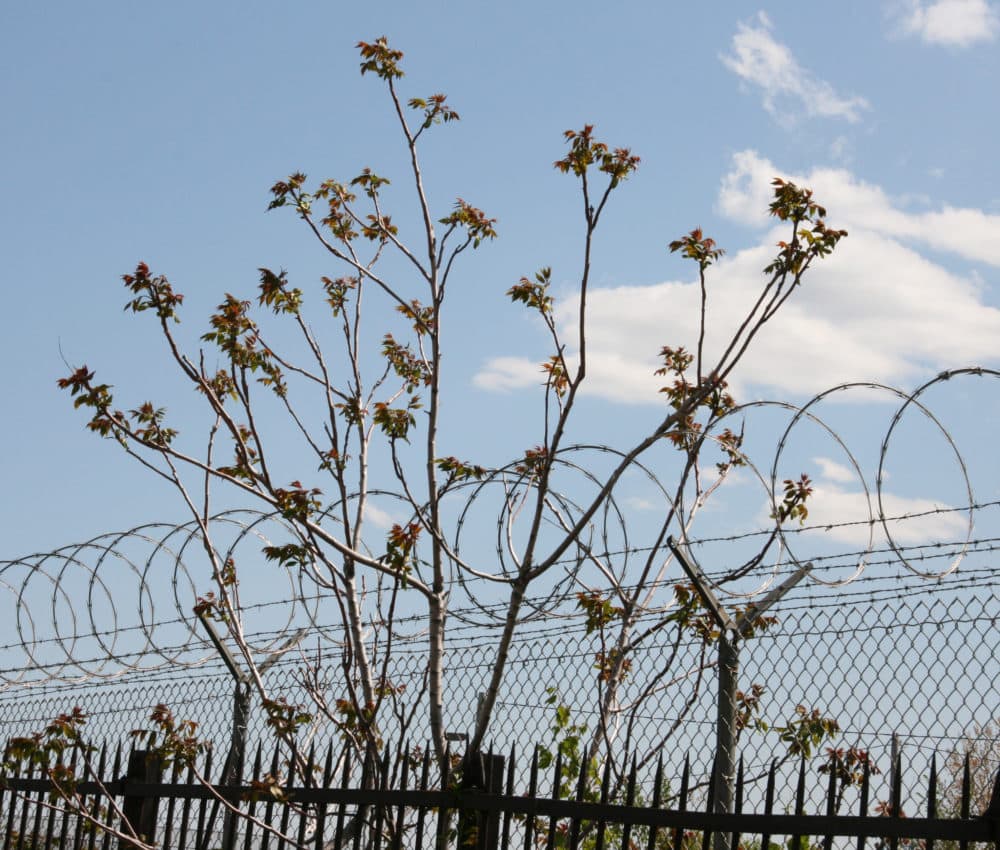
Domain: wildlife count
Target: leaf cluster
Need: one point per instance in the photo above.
(534, 293)
(848, 765)
(149, 425)
(710, 395)
(695, 246)
(288, 555)
(352, 719)
(152, 293)
(556, 377)
(748, 707)
(236, 334)
(477, 225)
(795, 204)
(436, 110)
(414, 370)
(793, 503)
(395, 422)
(612, 664)
(285, 718)
(169, 740)
(423, 318)
(267, 787)
(731, 444)
(98, 397)
(210, 606)
(599, 610)
(297, 502)
(805, 730)
(274, 292)
(338, 219)
(459, 470)
(533, 462)
(585, 151)
(246, 457)
(48, 751)
(380, 59)
(689, 613)
(400, 543)
(337, 290)
(755, 625)
(283, 189)
(568, 743)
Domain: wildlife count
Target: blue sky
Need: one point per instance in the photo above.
(139, 132)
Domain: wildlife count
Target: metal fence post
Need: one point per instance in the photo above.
(731, 631)
(139, 810)
(725, 746)
(232, 770)
(480, 830)
(495, 765)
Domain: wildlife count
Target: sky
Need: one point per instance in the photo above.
(139, 132)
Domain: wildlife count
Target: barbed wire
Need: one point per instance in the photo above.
(74, 620)
(983, 577)
(540, 634)
(130, 659)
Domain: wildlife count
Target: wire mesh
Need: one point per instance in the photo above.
(914, 670)
(893, 636)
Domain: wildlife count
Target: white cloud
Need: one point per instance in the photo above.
(840, 149)
(912, 199)
(852, 203)
(786, 87)
(878, 309)
(833, 471)
(841, 513)
(953, 23)
(378, 517)
(508, 373)
(842, 516)
(637, 503)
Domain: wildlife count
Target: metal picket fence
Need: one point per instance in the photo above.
(324, 801)
(909, 670)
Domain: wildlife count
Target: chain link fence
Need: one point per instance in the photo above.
(903, 668)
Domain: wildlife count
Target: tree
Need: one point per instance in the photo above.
(980, 749)
(352, 413)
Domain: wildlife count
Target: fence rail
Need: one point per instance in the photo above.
(335, 802)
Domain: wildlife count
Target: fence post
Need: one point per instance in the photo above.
(725, 730)
(140, 811)
(495, 765)
(480, 830)
(233, 768)
(731, 631)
